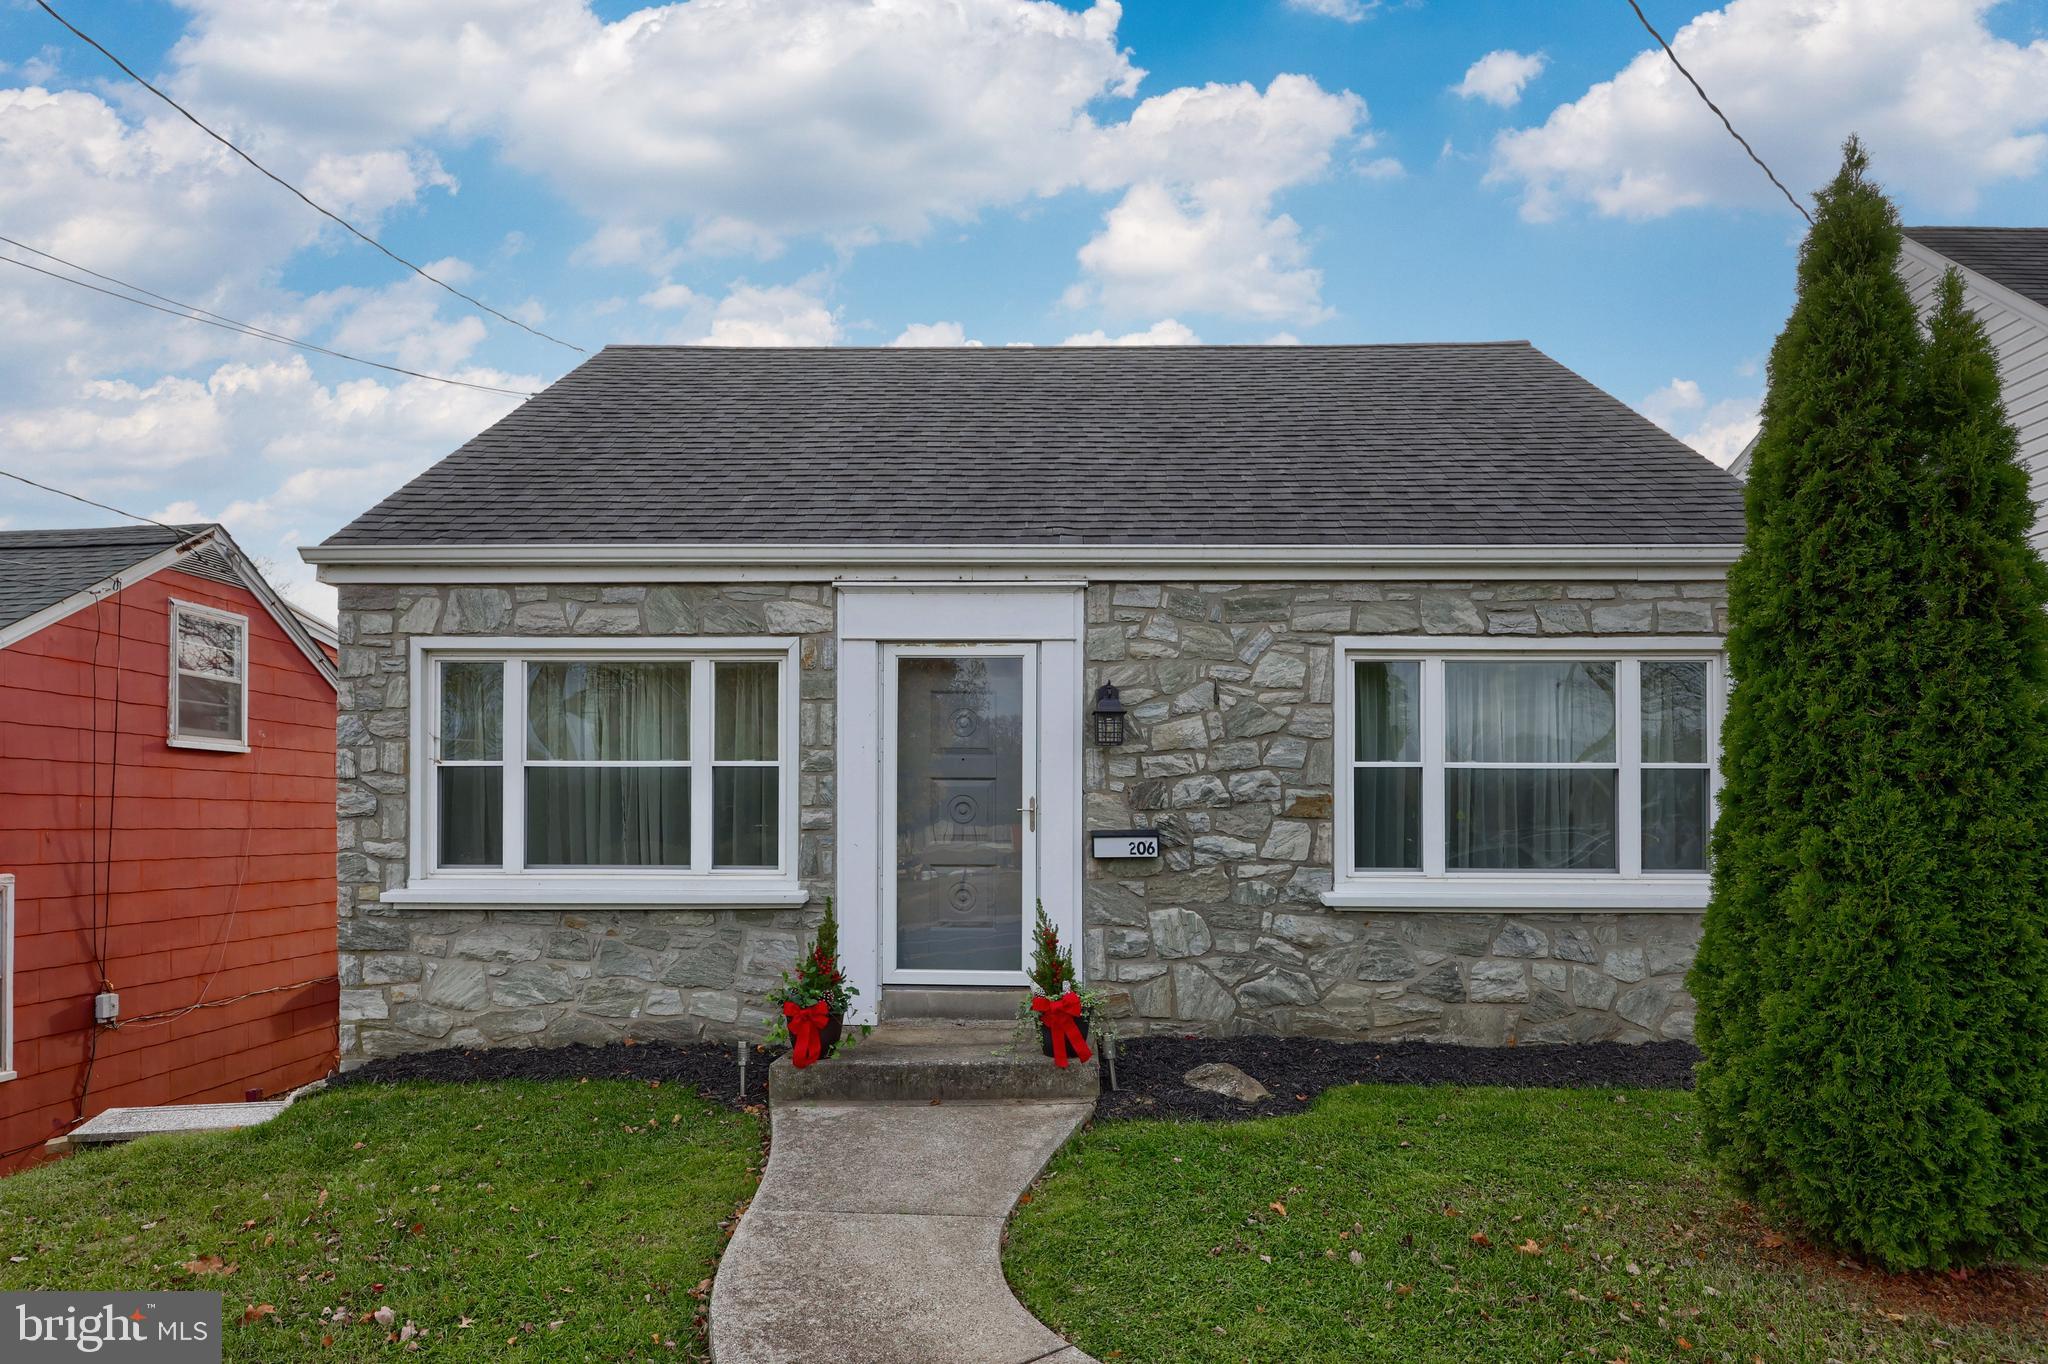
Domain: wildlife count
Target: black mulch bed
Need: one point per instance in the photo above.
(1149, 1069)
(1296, 1069)
(711, 1067)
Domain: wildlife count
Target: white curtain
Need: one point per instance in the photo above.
(601, 713)
(745, 801)
(1529, 818)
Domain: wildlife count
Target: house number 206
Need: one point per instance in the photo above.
(1126, 843)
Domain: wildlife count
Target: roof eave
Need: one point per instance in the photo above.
(938, 562)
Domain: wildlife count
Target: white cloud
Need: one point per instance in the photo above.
(1717, 430)
(1166, 332)
(934, 334)
(736, 126)
(1945, 106)
(779, 315)
(745, 121)
(1383, 168)
(1196, 231)
(1350, 11)
(1498, 77)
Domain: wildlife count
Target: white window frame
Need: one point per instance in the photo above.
(1628, 888)
(517, 884)
(179, 610)
(7, 949)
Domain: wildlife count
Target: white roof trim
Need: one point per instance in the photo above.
(1984, 284)
(967, 563)
(258, 587)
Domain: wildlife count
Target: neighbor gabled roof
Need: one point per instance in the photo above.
(39, 568)
(46, 575)
(2016, 257)
(1406, 445)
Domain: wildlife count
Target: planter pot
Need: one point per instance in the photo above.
(828, 1036)
(1045, 1035)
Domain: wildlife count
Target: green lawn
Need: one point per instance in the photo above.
(1439, 1224)
(542, 1221)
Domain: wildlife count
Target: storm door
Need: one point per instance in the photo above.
(961, 819)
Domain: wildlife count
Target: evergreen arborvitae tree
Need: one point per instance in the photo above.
(1870, 976)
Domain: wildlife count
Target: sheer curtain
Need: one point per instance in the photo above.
(470, 774)
(1386, 820)
(583, 807)
(1503, 816)
(745, 782)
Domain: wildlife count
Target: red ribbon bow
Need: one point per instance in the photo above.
(805, 1025)
(1061, 1019)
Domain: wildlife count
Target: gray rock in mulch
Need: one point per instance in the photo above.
(1220, 1077)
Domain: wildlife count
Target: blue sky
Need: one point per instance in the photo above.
(865, 172)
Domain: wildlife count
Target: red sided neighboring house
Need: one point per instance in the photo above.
(167, 830)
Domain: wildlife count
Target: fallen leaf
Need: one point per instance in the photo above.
(208, 1264)
(1530, 1247)
(1684, 1344)
(257, 1311)
(1770, 1240)
(384, 1315)
(1403, 1289)
(1278, 1207)
(1357, 1258)
(1480, 1239)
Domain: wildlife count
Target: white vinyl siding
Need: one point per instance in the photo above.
(2018, 330)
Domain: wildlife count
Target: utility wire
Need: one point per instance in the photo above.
(228, 324)
(1799, 207)
(178, 531)
(295, 190)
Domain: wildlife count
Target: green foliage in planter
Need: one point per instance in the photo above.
(1872, 981)
(818, 976)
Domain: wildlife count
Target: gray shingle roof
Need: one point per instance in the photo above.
(40, 568)
(2016, 257)
(1482, 444)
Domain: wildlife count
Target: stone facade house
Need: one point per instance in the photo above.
(1417, 649)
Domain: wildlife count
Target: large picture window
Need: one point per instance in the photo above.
(1572, 774)
(585, 763)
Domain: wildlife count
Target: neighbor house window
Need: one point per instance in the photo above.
(6, 978)
(630, 763)
(1539, 777)
(209, 705)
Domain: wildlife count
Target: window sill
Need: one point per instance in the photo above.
(210, 745)
(6, 1075)
(1680, 894)
(726, 892)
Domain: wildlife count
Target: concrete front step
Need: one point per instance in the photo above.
(933, 1059)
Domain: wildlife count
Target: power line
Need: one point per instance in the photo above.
(178, 531)
(1799, 207)
(191, 313)
(295, 190)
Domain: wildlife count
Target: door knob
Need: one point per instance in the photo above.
(1029, 809)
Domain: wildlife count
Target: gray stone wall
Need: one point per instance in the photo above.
(1230, 755)
(418, 978)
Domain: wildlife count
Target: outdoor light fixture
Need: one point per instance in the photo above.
(1109, 716)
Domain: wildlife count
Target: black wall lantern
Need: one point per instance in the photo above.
(1109, 716)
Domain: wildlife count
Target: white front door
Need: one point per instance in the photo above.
(959, 780)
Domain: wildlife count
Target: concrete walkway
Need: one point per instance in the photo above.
(876, 1235)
